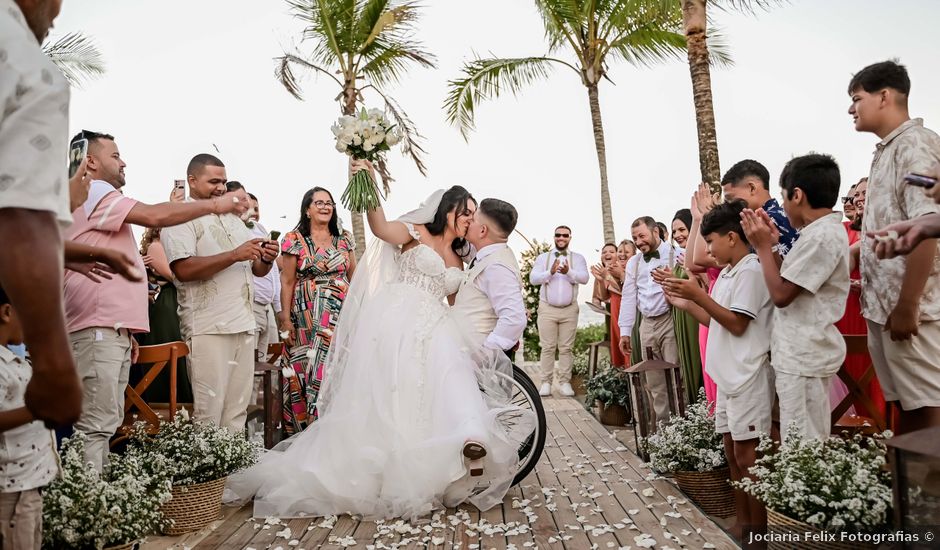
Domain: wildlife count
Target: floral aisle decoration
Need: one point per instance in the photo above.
(200, 457)
(531, 294)
(365, 136)
(836, 484)
(689, 447)
(85, 510)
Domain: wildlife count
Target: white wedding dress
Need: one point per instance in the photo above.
(404, 389)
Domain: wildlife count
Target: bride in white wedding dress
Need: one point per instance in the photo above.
(408, 391)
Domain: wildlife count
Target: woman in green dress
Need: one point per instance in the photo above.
(690, 359)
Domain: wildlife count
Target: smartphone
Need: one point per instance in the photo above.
(275, 235)
(77, 153)
(179, 184)
(920, 181)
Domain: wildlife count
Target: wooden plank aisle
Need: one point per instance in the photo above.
(583, 465)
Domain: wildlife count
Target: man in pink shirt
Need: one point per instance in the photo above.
(101, 315)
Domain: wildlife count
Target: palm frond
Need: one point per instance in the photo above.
(387, 63)
(285, 75)
(649, 45)
(483, 79)
(719, 52)
(748, 7)
(319, 16)
(77, 57)
(563, 21)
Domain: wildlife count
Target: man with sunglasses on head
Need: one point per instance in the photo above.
(559, 272)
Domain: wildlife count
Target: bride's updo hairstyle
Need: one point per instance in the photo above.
(454, 200)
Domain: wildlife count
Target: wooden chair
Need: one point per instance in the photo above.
(271, 398)
(643, 418)
(594, 355)
(135, 408)
(870, 420)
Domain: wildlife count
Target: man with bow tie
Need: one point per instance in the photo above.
(640, 291)
(558, 272)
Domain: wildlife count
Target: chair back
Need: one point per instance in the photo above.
(158, 357)
(870, 419)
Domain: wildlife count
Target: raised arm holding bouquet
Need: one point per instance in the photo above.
(365, 136)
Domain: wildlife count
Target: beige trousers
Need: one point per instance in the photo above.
(557, 329)
(804, 402)
(21, 520)
(267, 328)
(658, 335)
(221, 369)
(103, 359)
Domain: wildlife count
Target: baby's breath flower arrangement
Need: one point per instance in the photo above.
(688, 443)
(85, 510)
(196, 452)
(836, 484)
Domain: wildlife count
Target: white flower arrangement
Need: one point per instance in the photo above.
(84, 510)
(365, 136)
(688, 443)
(531, 293)
(833, 484)
(196, 452)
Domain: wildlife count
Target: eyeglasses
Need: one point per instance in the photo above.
(563, 235)
(324, 204)
(847, 200)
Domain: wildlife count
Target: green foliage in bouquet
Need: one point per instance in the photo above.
(610, 386)
(836, 484)
(687, 443)
(196, 452)
(87, 511)
(531, 293)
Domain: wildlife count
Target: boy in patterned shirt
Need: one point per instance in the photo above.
(809, 289)
(27, 458)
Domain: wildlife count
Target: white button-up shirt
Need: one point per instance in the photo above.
(27, 458)
(267, 288)
(560, 289)
(501, 286)
(640, 288)
(34, 122)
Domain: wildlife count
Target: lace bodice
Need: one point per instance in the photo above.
(421, 267)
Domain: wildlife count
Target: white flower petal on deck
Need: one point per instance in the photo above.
(649, 491)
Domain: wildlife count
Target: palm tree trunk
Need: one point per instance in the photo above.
(693, 14)
(358, 225)
(607, 216)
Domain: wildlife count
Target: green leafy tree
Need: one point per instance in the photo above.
(361, 45)
(584, 36)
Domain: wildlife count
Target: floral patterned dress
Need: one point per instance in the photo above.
(321, 287)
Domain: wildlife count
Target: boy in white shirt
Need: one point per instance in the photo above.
(809, 289)
(27, 457)
(738, 314)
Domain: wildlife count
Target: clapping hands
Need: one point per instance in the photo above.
(760, 230)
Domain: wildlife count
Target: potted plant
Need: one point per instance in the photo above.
(201, 456)
(810, 486)
(609, 391)
(689, 447)
(85, 510)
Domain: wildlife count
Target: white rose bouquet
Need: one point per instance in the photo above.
(366, 136)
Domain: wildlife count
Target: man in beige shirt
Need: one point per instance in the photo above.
(215, 258)
(900, 296)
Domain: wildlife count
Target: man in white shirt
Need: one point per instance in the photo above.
(34, 201)
(558, 272)
(640, 291)
(267, 303)
(491, 295)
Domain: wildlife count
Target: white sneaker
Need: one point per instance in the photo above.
(545, 390)
(567, 390)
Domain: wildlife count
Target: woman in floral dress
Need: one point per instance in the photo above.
(318, 264)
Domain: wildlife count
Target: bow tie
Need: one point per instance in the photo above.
(557, 254)
(650, 255)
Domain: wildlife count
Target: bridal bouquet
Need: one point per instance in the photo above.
(365, 136)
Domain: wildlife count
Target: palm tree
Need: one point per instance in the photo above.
(76, 56)
(593, 32)
(361, 45)
(695, 21)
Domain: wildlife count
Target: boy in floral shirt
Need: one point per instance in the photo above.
(809, 289)
(27, 458)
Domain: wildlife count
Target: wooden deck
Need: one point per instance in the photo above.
(588, 491)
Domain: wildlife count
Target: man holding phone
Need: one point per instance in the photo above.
(102, 312)
(900, 296)
(214, 258)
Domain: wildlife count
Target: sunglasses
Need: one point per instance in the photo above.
(565, 235)
(847, 200)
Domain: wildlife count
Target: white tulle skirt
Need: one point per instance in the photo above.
(415, 387)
